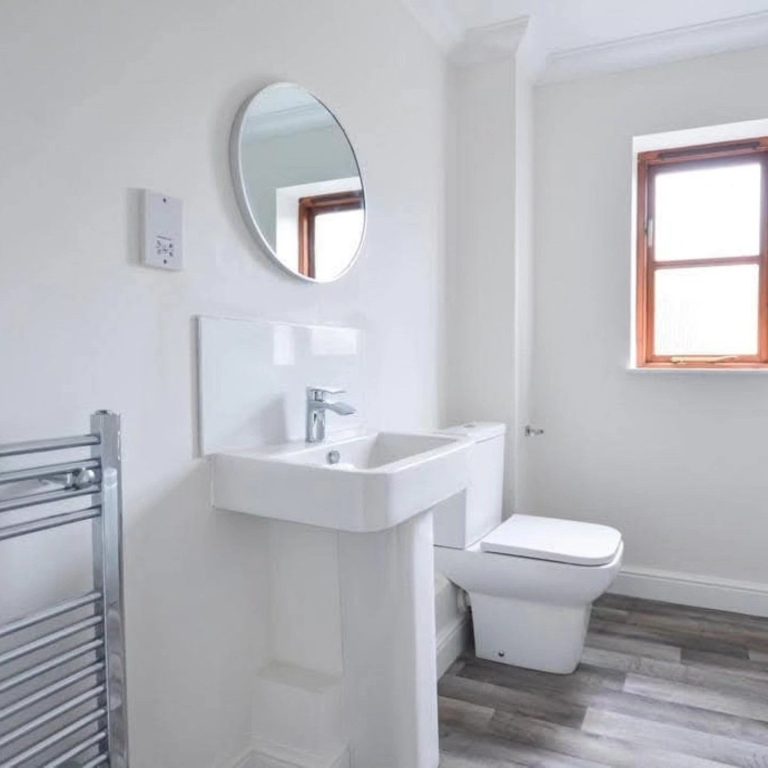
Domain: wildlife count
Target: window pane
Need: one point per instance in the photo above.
(708, 213)
(707, 311)
(337, 236)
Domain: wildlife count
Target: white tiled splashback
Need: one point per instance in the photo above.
(253, 376)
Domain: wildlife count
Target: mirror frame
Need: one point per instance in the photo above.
(238, 182)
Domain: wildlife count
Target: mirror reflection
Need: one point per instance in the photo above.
(299, 183)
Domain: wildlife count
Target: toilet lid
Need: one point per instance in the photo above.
(545, 538)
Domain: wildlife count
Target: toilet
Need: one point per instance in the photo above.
(531, 580)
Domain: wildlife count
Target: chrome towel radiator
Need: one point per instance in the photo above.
(62, 669)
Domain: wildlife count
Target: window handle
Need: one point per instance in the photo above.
(649, 232)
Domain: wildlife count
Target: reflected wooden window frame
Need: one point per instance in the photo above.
(312, 207)
(649, 165)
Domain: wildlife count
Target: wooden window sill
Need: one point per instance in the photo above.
(691, 369)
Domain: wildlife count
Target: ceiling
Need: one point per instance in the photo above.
(578, 36)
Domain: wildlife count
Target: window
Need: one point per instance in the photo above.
(329, 226)
(702, 256)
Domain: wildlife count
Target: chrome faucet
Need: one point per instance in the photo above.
(317, 406)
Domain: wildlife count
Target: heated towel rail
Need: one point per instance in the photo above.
(62, 668)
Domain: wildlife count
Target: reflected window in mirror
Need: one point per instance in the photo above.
(288, 150)
(329, 227)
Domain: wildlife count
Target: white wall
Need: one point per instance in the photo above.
(489, 276)
(480, 369)
(100, 99)
(518, 443)
(674, 460)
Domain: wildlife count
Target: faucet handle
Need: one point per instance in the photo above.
(319, 393)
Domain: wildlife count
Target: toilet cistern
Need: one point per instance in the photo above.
(317, 406)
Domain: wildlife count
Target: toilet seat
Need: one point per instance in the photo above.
(562, 541)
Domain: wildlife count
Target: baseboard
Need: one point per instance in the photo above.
(451, 643)
(746, 597)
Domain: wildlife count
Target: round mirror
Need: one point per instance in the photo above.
(298, 182)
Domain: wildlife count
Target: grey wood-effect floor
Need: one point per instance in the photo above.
(659, 686)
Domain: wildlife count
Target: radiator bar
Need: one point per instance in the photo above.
(51, 714)
(98, 760)
(49, 664)
(108, 579)
(21, 757)
(92, 741)
(49, 690)
(49, 639)
(56, 444)
(55, 521)
(47, 497)
(49, 613)
(51, 470)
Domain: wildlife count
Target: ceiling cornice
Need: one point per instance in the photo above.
(464, 45)
(474, 45)
(741, 32)
(495, 41)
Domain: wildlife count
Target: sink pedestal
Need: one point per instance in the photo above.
(350, 679)
(387, 605)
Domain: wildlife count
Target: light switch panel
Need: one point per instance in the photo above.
(162, 246)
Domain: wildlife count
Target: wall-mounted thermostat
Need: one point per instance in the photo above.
(162, 245)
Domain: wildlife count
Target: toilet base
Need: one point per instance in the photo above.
(541, 636)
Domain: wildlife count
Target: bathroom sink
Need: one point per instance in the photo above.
(365, 483)
(369, 451)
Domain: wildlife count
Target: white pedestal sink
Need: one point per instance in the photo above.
(376, 496)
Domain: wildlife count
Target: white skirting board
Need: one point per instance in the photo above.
(745, 597)
(451, 643)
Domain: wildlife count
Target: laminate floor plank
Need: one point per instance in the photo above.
(585, 678)
(463, 713)
(752, 668)
(598, 748)
(704, 676)
(697, 696)
(659, 686)
(682, 617)
(606, 613)
(567, 707)
(537, 704)
(702, 616)
(754, 638)
(466, 738)
(696, 641)
(461, 749)
(648, 649)
(676, 713)
(688, 741)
